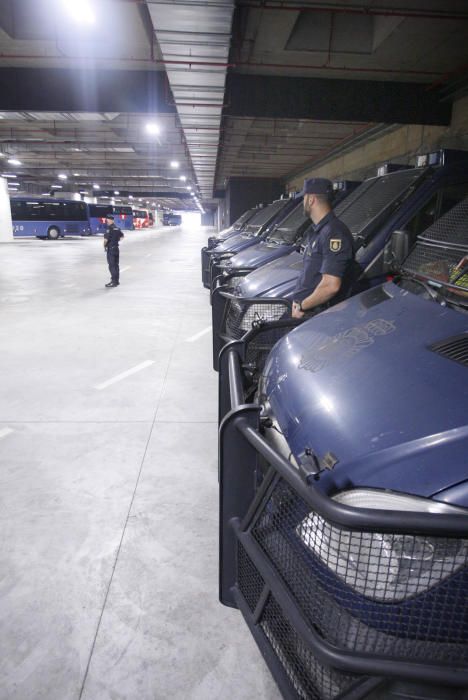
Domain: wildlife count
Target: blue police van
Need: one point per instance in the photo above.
(407, 200)
(344, 487)
(258, 226)
(222, 236)
(281, 239)
(236, 227)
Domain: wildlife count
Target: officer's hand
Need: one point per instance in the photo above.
(296, 311)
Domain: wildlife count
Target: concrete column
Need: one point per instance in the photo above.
(6, 226)
(242, 193)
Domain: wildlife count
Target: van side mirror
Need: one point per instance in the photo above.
(396, 250)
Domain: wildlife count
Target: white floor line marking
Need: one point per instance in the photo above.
(198, 335)
(5, 432)
(123, 375)
(124, 269)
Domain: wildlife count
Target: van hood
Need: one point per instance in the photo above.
(276, 279)
(259, 254)
(361, 381)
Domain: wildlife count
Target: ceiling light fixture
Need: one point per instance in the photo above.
(96, 187)
(56, 187)
(174, 164)
(13, 161)
(80, 10)
(130, 196)
(62, 176)
(76, 174)
(153, 129)
(116, 192)
(183, 178)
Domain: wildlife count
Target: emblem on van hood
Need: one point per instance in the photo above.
(322, 352)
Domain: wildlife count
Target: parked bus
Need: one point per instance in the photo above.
(142, 218)
(49, 218)
(98, 212)
(170, 219)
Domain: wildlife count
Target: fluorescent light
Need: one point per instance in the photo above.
(183, 178)
(76, 174)
(174, 164)
(130, 196)
(116, 192)
(83, 192)
(153, 129)
(188, 188)
(13, 161)
(7, 175)
(77, 150)
(2, 155)
(62, 176)
(56, 187)
(80, 10)
(96, 187)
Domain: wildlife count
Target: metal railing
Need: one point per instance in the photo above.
(326, 604)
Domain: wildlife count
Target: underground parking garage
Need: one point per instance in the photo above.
(234, 334)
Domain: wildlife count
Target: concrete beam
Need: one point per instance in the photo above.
(263, 96)
(82, 90)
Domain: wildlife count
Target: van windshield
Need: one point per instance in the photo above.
(373, 197)
(238, 224)
(440, 255)
(264, 215)
(286, 232)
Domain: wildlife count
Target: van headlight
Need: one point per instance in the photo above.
(382, 566)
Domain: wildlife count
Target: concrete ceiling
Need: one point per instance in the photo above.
(200, 50)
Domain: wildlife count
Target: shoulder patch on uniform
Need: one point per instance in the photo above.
(335, 245)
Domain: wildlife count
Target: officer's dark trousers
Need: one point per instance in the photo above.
(113, 262)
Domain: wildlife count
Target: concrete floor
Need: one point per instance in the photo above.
(108, 489)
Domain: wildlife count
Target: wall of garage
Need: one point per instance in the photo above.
(399, 144)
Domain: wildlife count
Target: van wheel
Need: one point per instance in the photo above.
(53, 233)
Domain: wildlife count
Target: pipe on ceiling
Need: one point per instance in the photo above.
(211, 64)
(363, 11)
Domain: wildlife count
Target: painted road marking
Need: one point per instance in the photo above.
(124, 375)
(124, 269)
(198, 335)
(5, 432)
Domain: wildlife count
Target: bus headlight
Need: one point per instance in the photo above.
(382, 566)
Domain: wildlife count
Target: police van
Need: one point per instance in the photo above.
(282, 238)
(344, 487)
(400, 198)
(258, 226)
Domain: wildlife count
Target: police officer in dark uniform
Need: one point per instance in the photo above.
(328, 257)
(112, 237)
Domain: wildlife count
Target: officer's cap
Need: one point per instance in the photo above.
(317, 185)
(110, 216)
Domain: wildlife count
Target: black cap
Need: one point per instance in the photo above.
(317, 185)
(110, 216)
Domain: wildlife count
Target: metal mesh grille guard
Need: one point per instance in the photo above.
(336, 596)
(233, 317)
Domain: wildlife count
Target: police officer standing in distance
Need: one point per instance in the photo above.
(112, 237)
(328, 257)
